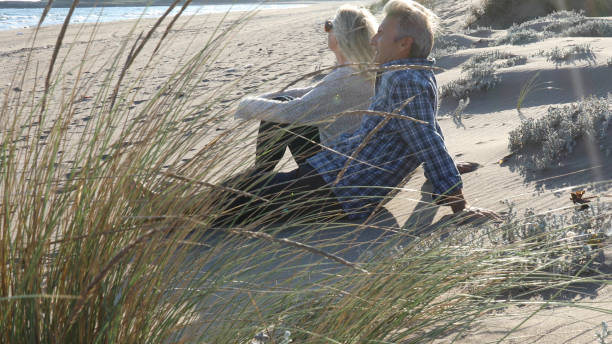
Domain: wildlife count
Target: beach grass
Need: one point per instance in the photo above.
(529, 86)
(108, 233)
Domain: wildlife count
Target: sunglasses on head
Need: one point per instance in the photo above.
(329, 25)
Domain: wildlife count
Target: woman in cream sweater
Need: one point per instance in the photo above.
(303, 118)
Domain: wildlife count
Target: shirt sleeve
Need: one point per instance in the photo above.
(425, 143)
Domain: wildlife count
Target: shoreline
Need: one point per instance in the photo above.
(26, 18)
(95, 4)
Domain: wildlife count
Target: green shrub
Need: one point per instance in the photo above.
(538, 143)
(504, 13)
(443, 46)
(576, 52)
(557, 24)
(495, 58)
(521, 36)
(481, 78)
(479, 73)
(571, 238)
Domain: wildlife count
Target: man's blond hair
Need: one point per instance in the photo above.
(415, 21)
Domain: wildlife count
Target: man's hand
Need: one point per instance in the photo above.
(455, 200)
(465, 214)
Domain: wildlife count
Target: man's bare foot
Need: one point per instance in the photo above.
(467, 167)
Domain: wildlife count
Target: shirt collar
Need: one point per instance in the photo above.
(411, 61)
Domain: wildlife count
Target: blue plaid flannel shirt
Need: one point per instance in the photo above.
(394, 150)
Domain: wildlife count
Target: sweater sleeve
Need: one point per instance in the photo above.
(324, 99)
(296, 92)
(293, 93)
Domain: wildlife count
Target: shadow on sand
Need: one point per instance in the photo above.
(233, 270)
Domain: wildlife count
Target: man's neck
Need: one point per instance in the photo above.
(409, 60)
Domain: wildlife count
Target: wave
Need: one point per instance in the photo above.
(13, 18)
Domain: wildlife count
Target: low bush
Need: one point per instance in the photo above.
(521, 36)
(557, 24)
(570, 238)
(444, 46)
(504, 13)
(538, 143)
(479, 73)
(476, 79)
(576, 52)
(495, 58)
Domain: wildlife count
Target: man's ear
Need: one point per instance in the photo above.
(406, 45)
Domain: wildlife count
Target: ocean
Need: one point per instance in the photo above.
(17, 18)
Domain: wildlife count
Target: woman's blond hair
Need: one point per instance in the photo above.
(353, 28)
(415, 21)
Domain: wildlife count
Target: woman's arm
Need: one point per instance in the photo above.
(335, 93)
(293, 93)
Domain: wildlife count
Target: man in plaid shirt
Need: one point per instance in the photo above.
(385, 150)
(398, 133)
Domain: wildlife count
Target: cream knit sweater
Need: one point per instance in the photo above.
(342, 90)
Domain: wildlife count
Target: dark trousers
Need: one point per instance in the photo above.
(273, 138)
(279, 197)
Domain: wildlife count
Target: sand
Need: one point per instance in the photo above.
(276, 47)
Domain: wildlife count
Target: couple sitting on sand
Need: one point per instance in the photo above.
(348, 164)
